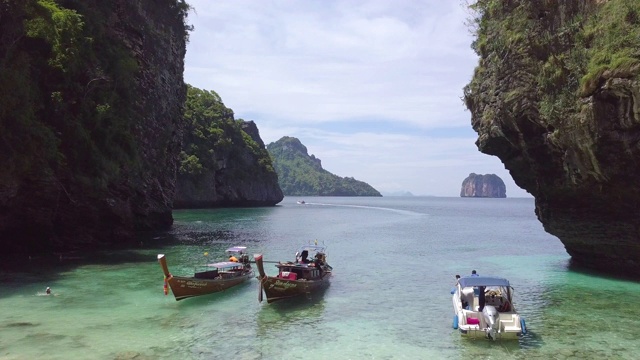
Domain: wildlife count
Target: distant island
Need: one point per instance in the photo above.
(302, 174)
(487, 186)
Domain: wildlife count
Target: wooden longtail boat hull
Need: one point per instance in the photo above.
(276, 288)
(184, 287)
(279, 289)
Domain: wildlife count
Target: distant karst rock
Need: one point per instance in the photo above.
(487, 186)
(302, 174)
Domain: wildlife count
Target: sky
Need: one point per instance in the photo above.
(371, 88)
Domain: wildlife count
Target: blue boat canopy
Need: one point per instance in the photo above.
(468, 281)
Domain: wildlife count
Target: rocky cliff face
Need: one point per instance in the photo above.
(556, 97)
(155, 34)
(237, 178)
(223, 161)
(489, 185)
(105, 99)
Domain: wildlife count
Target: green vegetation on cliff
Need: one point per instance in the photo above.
(214, 139)
(612, 37)
(91, 96)
(67, 92)
(301, 174)
(568, 56)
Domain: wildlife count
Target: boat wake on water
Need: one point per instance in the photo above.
(397, 211)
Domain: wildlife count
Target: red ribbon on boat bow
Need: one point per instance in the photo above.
(166, 285)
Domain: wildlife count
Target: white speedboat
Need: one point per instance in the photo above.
(483, 307)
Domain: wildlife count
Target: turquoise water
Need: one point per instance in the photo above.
(394, 263)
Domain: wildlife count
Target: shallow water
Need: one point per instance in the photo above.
(394, 263)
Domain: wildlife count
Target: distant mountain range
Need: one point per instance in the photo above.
(302, 174)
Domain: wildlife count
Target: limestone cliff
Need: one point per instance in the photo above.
(91, 117)
(489, 185)
(556, 96)
(224, 161)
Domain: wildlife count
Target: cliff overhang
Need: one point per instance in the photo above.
(556, 96)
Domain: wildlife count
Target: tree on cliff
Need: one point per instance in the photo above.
(223, 161)
(302, 174)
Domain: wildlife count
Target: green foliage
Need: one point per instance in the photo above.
(60, 28)
(213, 136)
(504, 32)
(190, 164)
(182, 12)
(567, 55)
(612, 36)
(487, 20)
(68, 92)
(301, 174)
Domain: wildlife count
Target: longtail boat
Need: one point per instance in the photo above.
(309, 273)
(209, 278)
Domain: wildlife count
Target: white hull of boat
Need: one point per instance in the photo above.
(509, 326)
(498, 319)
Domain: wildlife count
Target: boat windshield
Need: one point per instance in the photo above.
(237, 249)
(312, 248)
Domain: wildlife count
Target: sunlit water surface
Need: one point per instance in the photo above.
(394, 261)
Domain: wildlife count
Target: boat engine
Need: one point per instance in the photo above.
(491, 318)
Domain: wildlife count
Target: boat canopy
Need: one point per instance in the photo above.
(225, 265)
(468, 281)
(237, 249)
(312, 248)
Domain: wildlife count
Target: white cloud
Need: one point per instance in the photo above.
(307, 68)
